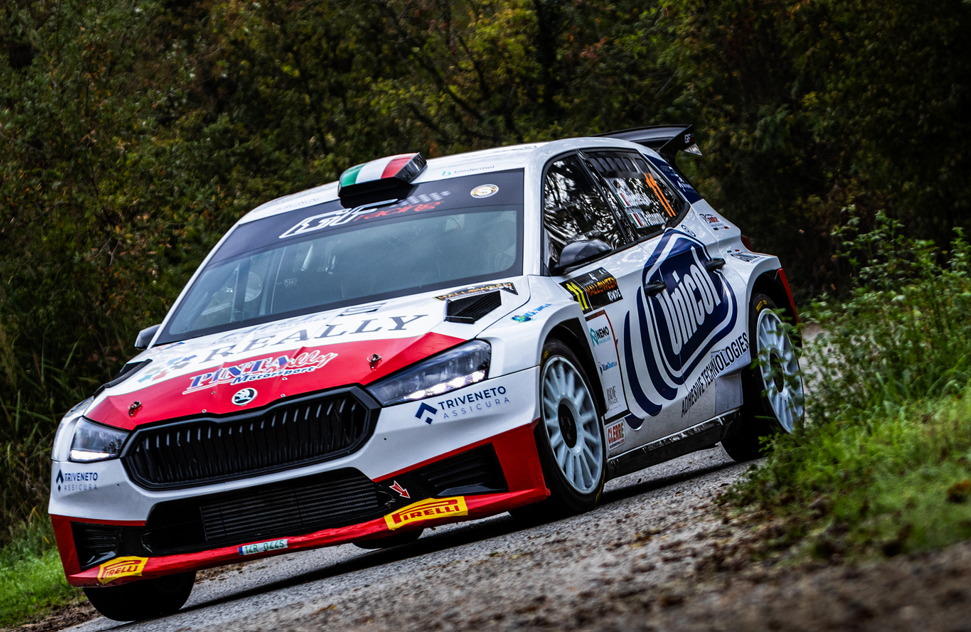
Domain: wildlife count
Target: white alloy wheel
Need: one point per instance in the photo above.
(572, 424)
(780, 375)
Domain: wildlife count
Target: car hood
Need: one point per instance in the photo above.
(210, 375)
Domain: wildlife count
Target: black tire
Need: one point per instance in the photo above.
(759, 418)
(144, 599)
(579, 492)
(406, 537)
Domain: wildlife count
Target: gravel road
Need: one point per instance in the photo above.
(492, 572)
(654, 556)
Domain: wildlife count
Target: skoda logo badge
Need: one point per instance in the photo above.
(245, 396)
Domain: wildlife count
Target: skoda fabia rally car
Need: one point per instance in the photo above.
(418, 344)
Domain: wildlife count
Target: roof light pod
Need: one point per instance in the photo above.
(387, 178)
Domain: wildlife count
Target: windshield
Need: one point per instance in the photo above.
(446, 233)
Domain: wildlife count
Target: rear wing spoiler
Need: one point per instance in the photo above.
(666, 140)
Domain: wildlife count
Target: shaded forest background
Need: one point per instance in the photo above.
(133, 133)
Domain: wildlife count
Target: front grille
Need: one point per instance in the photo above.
(95, 543)
(204, 451)
(291, 508)
(474, 472)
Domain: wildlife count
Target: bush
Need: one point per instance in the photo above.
(883, 464)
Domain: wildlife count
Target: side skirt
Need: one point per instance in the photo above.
(699, 437)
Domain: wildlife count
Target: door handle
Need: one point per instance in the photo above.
(714, 264)
(653, 288)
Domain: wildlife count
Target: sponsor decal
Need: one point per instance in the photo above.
(612, 399)
(425, 408)
(429, 509)
(528, 316)
(594, 289)
(601, 335)
(747, 257)
(456, 172)
(468, 404)
(400, 490)
(244, 396)
(479, 289)
(635, 199)
(675, 329)
(266, 368)
(362, 309)
(615, 434)
(675, 178)
(720, 360)
(76, 481)
(288, 333)
(342, 216)
(713, 221)
(484, 191)
(121, 567)
(605, 353)
(262, 547)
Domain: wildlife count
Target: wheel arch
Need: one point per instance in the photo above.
(773, 284)
(571, 333)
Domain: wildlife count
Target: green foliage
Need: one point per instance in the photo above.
(31, 577)
(903, 335)
(884, 463)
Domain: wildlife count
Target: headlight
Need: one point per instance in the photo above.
(455, 368)
(94, 442)
(59, 452)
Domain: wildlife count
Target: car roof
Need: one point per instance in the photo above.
(482, 161)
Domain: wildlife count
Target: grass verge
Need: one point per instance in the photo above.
(883, 464)
(897, 484)
(31, 578)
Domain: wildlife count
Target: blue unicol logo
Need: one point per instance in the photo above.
(676, 328)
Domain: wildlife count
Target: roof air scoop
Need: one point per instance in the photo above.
(385, 179)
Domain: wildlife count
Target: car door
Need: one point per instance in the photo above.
(577, 207)
(680, 305)
(645, 214)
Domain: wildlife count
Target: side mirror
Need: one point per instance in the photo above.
(578, 252)
(145, 336)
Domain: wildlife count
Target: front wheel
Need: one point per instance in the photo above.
(772, 390)
(569, 437)
(144, 599)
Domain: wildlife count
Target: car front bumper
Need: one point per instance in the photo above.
(467, 454)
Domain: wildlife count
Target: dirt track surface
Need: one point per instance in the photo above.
(653, 556)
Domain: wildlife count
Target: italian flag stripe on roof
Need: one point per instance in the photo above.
(379, 169)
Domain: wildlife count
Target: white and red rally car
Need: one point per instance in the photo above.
(424, 343)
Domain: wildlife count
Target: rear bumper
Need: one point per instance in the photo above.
(515, 452)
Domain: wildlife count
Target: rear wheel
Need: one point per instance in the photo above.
(773, 391)
(144, 599)
(569, 437)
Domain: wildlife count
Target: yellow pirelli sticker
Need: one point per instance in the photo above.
(121, 567)
(428, 509)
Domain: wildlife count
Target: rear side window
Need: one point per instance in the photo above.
(645, 199)
(574, 209)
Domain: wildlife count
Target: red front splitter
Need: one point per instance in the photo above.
(518, 458)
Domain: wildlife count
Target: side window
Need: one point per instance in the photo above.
(646, 200)
(574, 209)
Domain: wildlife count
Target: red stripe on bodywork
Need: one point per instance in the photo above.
(166, 399)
